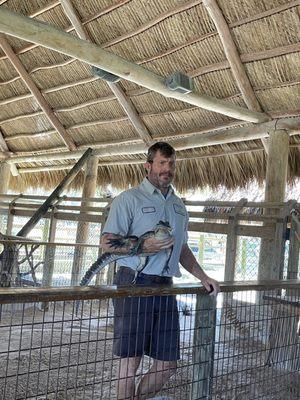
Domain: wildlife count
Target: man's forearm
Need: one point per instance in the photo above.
(189, 262)
(125, 244)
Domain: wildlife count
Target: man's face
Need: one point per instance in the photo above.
(161, 171)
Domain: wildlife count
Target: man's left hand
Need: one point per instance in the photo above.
(211, 285)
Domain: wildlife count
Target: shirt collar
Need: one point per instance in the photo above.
(147, 186)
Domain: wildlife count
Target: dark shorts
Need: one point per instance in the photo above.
(146, 325)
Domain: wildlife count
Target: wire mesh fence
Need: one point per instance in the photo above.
(244, 346)
(247, 258)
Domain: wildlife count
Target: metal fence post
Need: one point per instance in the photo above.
(203, 347)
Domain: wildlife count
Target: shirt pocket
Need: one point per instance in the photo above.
(179, 209)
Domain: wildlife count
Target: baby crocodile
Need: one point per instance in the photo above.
(161, 231)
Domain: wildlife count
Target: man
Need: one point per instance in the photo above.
(150, 325)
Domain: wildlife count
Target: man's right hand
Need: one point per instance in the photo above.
(152, 245)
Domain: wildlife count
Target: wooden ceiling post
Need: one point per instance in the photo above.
(3, 147)
(4, 176)
(48, 36)
(36, 93)
(82, 233)
(233, 57)
(276, 178)
(116, 88)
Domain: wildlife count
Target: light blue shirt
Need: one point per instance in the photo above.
(137, 211)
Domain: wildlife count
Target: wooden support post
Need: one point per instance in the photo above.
(231, 243)
(4, 179)
(10, 219)
(276, 176)
(4, 176)
(49, 257)
(50, 252)
(203, 347)
(201, 249)
(89, 189)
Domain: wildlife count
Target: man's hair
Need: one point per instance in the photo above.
(163, 147)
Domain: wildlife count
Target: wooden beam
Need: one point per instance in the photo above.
(48, 36)
(122, 98)
(205, 139)
(3, 147)
(36, 93)
(59, 167)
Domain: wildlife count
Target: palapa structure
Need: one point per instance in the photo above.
(244, 111)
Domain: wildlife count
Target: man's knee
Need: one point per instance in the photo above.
(129, 366)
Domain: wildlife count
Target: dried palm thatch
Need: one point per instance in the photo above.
(174, 35)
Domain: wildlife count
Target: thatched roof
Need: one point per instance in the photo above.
(163, 37)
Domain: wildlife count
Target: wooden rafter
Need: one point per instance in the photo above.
(36, 93)
(122, 98)
(233, 57)
(48, 36)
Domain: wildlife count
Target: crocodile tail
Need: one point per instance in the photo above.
(98, 265)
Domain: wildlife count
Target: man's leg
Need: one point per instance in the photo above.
(155, 378)
(126, 384)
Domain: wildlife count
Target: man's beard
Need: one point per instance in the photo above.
(163, 182)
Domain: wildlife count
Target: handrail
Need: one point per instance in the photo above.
(30, 295)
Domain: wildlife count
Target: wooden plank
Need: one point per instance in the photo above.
(192, 214)
(48, 36)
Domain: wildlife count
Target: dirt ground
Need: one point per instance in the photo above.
(53, 355)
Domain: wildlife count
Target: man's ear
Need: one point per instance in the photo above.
(147, 166)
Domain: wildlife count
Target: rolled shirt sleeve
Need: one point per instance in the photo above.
(120, 216)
